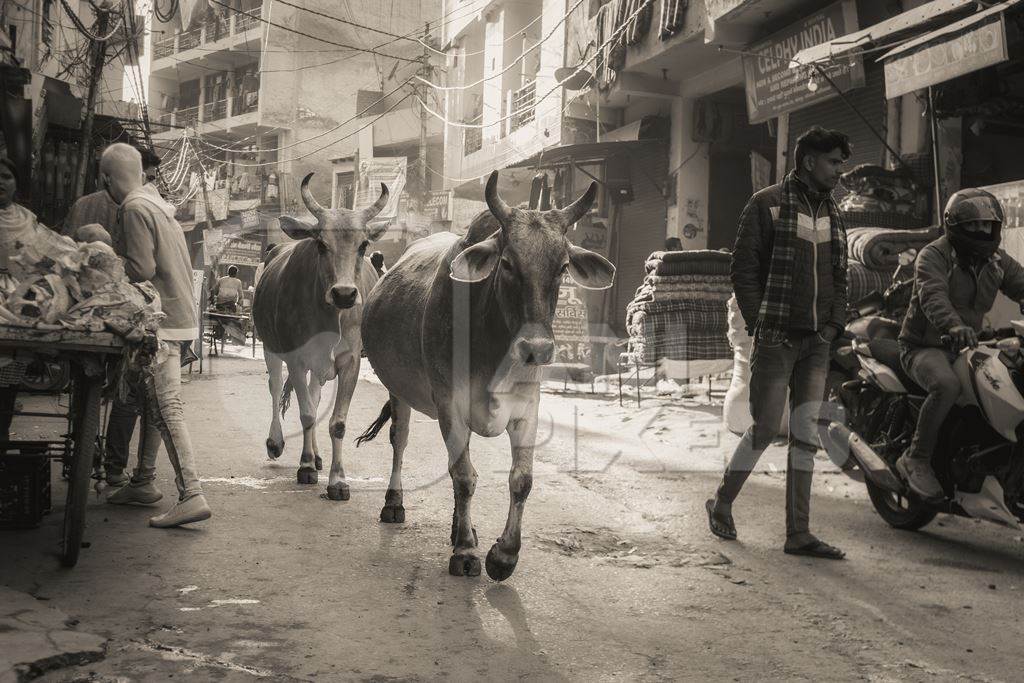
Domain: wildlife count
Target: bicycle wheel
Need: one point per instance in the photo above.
(86, 411)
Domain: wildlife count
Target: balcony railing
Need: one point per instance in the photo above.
(189, 116)
(245, 103)
(163, 48)
(247, 21)
(214, 111)
(207, 32)
(190, 39)
(474, 140)
(521, 106)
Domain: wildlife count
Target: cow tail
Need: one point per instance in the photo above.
(374, 429)
(286, 395)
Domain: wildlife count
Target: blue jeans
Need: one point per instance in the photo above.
(799, 366)
(932, 369)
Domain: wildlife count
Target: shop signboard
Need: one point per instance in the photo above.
(242, 252)
(955, 55)
(572, 339)
(436, 208)
(374, 171)
(774, 88)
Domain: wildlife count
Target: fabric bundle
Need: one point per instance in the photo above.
(679, 311)
(696, 262)
(862, 281)
(880, 248)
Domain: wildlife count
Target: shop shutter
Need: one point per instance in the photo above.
(641, 226)
(836, 114)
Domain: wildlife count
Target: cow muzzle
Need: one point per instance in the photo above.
(342, 296)
(535, 351)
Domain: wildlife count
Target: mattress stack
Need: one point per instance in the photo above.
(874, 256)
(679, 312)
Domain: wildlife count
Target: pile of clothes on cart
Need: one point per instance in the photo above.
(55, 283)
(679, 312)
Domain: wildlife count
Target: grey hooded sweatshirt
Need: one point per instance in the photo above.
(153, 247)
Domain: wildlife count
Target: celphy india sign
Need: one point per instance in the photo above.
(774, 88)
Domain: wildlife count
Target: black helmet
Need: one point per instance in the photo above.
(967, 206)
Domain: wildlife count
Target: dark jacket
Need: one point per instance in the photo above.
(819, 289)
(948, 293)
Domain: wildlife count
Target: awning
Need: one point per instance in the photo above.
(955, 27)
(910, 19)
(586, 151)
(960, 48)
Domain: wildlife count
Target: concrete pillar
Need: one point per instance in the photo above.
(494, 61)
(692, 177)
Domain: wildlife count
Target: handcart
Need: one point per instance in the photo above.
(88, 354)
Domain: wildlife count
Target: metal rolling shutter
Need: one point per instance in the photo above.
(835, 113)
(641, 226)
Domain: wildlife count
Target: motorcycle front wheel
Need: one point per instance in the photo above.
(900, 512)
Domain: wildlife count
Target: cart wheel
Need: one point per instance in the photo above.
(86, 410)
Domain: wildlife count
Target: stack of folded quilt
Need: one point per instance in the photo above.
(679, 312)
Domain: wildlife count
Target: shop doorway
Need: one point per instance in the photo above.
(739, 152)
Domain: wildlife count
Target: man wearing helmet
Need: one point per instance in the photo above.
(956, 280)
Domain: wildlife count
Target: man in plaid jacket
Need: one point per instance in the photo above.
(789, 275)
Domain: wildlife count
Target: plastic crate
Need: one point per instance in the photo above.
(24, 490)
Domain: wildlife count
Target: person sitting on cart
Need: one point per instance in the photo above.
(153, 248)
(227, 292)
(956, 279)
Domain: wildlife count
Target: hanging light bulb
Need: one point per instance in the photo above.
(812, 84)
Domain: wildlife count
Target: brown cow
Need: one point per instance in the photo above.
(458, 329)
(307, 310)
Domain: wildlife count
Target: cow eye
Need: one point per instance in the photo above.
(507, 265)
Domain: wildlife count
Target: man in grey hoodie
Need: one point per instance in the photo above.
(153, 247)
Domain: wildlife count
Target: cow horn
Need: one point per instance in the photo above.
(309, 200)
(370, 212)
(579, 208)
(496, 204)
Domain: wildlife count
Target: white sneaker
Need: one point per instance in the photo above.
(142, 494)
(194, 509)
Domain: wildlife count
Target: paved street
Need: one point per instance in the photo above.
(619, 577)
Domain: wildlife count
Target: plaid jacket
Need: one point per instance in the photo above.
(819, 290)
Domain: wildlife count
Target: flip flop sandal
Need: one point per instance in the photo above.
(818, 549)
(721, 528)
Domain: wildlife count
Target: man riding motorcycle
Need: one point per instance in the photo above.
(956, 280)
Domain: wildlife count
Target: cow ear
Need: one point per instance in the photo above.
(299, 229)
(590, 270)
(477, 262)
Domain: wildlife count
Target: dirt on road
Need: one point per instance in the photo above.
(618, 579)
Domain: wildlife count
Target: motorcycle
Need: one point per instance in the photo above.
(980, 458)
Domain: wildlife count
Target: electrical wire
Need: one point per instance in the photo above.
(521, 57)
(81, 26)
(306, 35)
(345, 21)
(558, 84)
(320, 149)
(357, 115)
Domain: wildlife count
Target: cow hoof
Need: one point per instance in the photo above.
(318, 462)
(339, 491)
(499, 565)
(274, 450)
(392, 514)
(306, 476)
(464, 565)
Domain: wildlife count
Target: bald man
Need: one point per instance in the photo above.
(153, 247)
